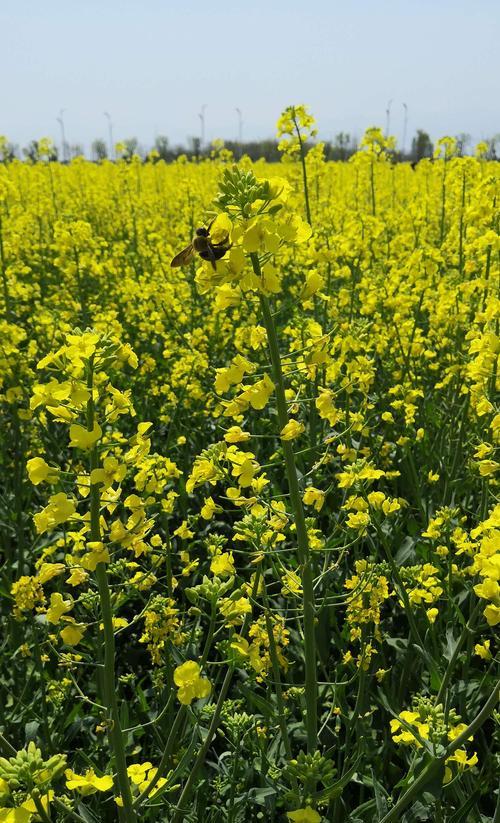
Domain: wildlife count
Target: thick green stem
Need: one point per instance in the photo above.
(109, 687)
(436, 765)
(311, 685)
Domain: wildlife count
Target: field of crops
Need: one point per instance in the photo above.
(249, 517)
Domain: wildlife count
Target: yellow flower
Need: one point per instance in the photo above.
(40, 471)
(292, 430)
(483, 650)
(390, 506)
(209, 508)
(59, 509)
(488, 467)
(88, 783)
(489, 589)
(48, 571)
(241, 646)
(191, 686)
(58, 607)
(492, 614)
(183, 531)
(112, 471)
(98, 554)
(81, 346)
(358, 521)
(20, 814)
(314, 282)
(380, 674)
(306, 815)
(235, 434)
(258, 395)
(432, 614)
(235, 610)
(80, 438)
(137, 772)
(222, 565)
(77, 577)
(314, 497)
(73, 633)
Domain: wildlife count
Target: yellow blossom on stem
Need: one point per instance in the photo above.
(190, 684)
(88, 783)
(292, 430)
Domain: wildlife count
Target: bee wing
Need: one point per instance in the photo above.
(184, 257)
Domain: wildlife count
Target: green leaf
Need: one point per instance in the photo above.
(418, 812)
(260, 796)
(461, 815)
(380, 800)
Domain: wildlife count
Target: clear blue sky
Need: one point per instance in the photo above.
(153, 63)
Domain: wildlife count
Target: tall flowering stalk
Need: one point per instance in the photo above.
(295, 126)
(261, 222)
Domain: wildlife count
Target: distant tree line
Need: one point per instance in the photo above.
(342, 147)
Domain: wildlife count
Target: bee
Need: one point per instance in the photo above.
(202, 244)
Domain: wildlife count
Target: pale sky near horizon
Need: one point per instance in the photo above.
(153, 64)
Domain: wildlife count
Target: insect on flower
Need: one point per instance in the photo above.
(202, 244)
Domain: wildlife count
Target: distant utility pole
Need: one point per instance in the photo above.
(405, 127)
(202, 125)
(60, 120)
(388, 118)
(110, 134)
(240, 126)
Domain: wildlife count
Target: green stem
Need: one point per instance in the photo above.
(186, 792)
(407, 605)
(109, 688)
(43, 688)
(311, 686)
(496, 819)
(164, 762)
(304, 172)
(210, 635)
(6, 747)
(468, 629)
(436, 765)
(35, 795)
(200, 758)
(443, 204)
(68, 812)
(372, 187)
(277, 679)
(236, 760)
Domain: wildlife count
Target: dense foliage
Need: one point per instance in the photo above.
(249, 511)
